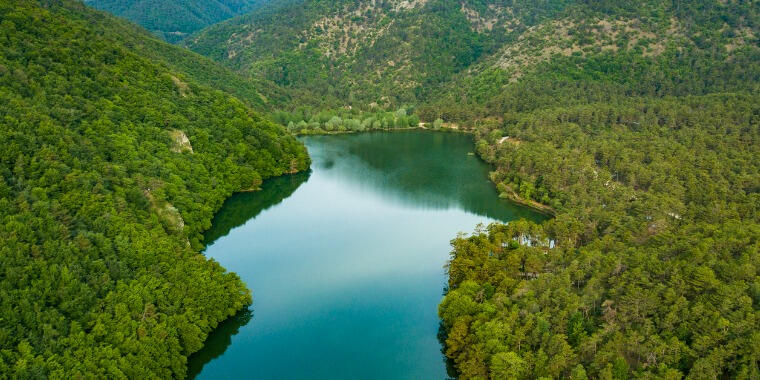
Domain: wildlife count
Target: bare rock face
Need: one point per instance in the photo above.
(180, 142)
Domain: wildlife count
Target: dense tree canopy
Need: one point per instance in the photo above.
(306, 121)
(651, 267)
(259, 93)
(111, 167)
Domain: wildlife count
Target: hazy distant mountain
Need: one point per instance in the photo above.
(174, 19)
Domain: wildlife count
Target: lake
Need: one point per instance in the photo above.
(346, 262)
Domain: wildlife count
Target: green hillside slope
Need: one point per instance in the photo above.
(651, 266)
(392, 53)
(640, 128)
(359, 52)
(172, 20)
(609, 49)
(111, 167)
(261, 94)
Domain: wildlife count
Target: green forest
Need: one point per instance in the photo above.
(636, 125)
(652, 270)
(112, 167)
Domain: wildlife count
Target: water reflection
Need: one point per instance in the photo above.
(437, 171)
(243, 207)
(451, 369)
(217, 343)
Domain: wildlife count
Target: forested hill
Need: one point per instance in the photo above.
(640, 126)
(397, 52)
(260, 94)
(388, 52)
(612, 49)
(175, 19)
(112, 163)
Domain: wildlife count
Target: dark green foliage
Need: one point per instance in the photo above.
(677, 304)
(172, 20)
(103, 204)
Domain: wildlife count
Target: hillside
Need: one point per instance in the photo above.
(173, 20)
(113, 163)
(609, 49)
(363, 52)
(640, 128)
(649, 268)
(636, 122)
(261, 94)
(391, 53)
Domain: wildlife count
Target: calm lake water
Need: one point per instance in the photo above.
(346, 262)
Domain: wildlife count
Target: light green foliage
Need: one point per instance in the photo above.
(305, 121)
(579, 373)
(507, 365)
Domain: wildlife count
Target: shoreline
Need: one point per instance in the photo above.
(406, 129)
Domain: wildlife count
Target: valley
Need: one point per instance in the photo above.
(237, 187)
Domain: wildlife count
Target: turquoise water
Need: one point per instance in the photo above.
(346, 262)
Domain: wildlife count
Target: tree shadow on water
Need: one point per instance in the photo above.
(242, 207)
(451, 370)
(217, 342)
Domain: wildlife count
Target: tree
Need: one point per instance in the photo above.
(507, 365)
(578, 373)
